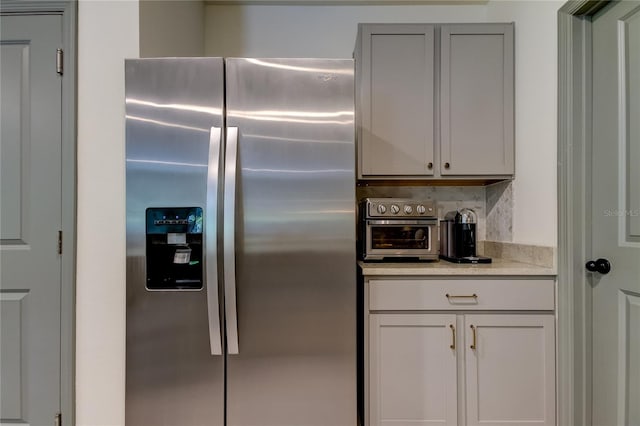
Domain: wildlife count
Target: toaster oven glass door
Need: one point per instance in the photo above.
(400, 235)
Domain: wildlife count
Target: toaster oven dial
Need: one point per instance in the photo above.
(408, 209)
(421, 209)
(381, 209)
(395, 209)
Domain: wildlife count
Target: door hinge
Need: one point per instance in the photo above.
(59, 61)
(59, 242)
(58, 420)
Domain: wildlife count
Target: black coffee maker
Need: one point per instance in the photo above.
(458, 237)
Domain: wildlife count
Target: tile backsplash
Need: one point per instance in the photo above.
(493, 204)
(499, 207)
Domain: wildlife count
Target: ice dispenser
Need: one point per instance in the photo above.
(174, 248)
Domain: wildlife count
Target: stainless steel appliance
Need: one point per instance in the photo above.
(458, 238)
(398, 229)
(240, 194)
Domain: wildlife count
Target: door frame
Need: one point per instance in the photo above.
(574, 214)
(67, 9)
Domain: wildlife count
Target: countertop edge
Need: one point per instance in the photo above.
(499, 267)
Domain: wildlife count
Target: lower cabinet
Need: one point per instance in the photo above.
(461, 368)
(510, 369)
(412, 370)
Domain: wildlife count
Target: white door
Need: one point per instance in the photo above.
(510, 369)
(30, 217)
(412, 370)
(615, 228)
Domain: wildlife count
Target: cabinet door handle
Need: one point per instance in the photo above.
(453, 337)
(474, 345)
(429, 165)
(461, 296)
(447, 165)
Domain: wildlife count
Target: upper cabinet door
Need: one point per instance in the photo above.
(477, 97)
(396, 99)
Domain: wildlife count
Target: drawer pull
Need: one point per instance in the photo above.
(461, 296)
(474, 345)
(453, 341)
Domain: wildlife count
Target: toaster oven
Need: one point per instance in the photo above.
(398, 229)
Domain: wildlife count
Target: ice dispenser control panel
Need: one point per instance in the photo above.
(174, 248)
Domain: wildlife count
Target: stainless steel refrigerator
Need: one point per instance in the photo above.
(241, 282)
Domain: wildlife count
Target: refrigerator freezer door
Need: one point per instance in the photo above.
(171, 376)
(294, 243)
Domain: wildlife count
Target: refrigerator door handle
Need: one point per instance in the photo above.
(231, 313)
(211, 238)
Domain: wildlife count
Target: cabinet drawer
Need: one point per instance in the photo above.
(461, 294)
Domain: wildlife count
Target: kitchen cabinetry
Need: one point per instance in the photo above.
(395, 67)
(435, 101)
(509, 369)
(476, 99)
(412, 369)
(460, 351)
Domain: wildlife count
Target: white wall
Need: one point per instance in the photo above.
(171, 28)
(107, 33)
(535, 186)
(330, 31)
(310, 31)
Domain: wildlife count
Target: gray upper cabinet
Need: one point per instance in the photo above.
(435, 101)
(395, 99)
(476, 99)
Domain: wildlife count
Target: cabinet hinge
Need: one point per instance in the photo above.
(59, 242)
(59, 61)
(58, 420)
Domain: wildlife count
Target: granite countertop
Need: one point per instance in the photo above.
(497, 267)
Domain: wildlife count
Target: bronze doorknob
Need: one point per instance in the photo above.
(602, 266)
